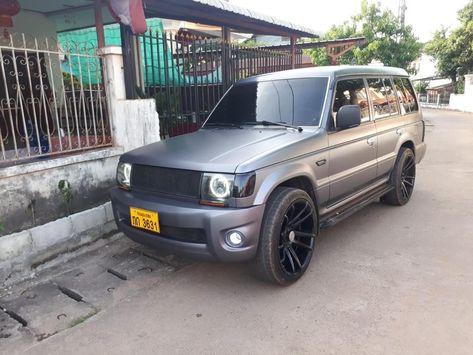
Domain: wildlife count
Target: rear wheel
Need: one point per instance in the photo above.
(402, 179)
(287, 236)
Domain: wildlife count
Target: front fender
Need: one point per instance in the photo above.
(272, 177)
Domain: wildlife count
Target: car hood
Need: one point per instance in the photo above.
(215, 150)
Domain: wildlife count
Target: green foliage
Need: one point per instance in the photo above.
(459, 86)
(2, 228)
(387, 40)
(70, 82)
(454, 51)
(345, 30)
(65, 190)
(251, 43)
(421, 87)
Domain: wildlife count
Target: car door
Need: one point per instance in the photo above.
(388, 121)
(352, 152)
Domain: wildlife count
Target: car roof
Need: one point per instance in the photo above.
(328, 71)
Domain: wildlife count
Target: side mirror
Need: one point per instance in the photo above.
(348, 116)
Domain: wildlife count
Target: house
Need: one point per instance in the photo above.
(439, 90)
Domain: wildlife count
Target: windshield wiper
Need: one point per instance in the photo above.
(269, 123)
(222, 124)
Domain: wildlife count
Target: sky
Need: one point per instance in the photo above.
(425, 16)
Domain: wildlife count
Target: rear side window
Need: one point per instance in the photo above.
(391, 96)
(411, 95)
(403, 95)
(379, 98)
(352, 92)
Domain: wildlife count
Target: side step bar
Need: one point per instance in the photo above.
(353, 207)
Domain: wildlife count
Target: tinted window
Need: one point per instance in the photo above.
(294, 101)
(379, 98)
(352, 92)
(411, 95)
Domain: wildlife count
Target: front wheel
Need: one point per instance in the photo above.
(287, 236)
(402, 179)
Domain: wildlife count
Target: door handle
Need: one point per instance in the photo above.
(370, 141)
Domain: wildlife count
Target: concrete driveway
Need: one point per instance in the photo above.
(385, 281)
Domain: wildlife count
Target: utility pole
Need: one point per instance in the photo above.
(402, 12)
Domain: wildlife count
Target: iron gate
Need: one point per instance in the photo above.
(187, 76)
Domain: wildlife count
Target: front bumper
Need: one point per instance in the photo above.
(182, 219)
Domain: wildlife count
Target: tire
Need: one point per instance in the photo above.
(287, 237)
(402, 179)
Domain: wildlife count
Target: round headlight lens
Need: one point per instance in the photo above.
(219, 186)
(124, 174)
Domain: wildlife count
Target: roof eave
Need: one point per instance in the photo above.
(222, 14)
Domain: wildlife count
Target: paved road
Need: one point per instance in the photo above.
(387, 280)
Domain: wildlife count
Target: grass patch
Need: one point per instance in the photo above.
(82, 319)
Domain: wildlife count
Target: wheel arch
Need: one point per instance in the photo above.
(407, 140)
(298, 176)
(302, 183)
(409, 144)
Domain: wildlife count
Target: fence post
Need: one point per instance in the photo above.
(293, 52)
(129, 61)
(113, 74)
(226, 56)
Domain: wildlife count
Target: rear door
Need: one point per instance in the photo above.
(388, 120)
(352, 152)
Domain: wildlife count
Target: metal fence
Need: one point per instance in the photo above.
(188, 75)
(432, 99)
(52, 99)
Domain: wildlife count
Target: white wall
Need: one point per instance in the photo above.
(464, 102)
(79, 19)
(30, 195)
(33, 24)
(135, 123)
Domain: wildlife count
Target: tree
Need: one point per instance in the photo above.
(454, 51)
(387, 40)
(345, 30)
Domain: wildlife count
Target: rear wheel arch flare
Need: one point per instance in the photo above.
(409, 144)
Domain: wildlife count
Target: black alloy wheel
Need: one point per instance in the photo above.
(297, 238)
(287, 238)
(408, 177)
(403, 179)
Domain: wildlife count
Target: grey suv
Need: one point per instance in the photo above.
(281, 156)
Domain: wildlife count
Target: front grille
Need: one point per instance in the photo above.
(188, 235)
(167, 181)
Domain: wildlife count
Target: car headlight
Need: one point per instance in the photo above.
(124, 175)
(217, 189)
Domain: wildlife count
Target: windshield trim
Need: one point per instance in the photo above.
(322, 111)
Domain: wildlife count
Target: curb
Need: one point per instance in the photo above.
(21, 252)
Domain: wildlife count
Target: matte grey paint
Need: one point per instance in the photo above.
(358, 160)
(214, 220)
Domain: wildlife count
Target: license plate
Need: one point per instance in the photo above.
(144, 219)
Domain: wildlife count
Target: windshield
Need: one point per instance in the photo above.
(294, 101)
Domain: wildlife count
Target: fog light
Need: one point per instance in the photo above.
(234, 239)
